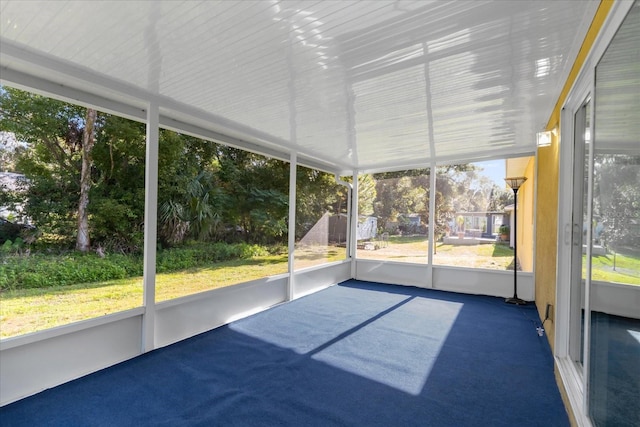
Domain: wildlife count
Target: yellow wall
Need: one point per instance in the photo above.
(546, 231)
(525, 217)
(524, 167)
(547, 196)
(547, 200)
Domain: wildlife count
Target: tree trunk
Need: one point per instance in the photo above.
(83, 242)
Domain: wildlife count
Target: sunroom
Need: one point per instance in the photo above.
(236, 156)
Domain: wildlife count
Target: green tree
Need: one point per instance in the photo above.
(317, 194)
(80, 182)
(189, 200)
(399, 194)
(83, 240)
(450, 194)
(617, 201)
(366, 194)
(52, 161)
(117, 195)
(257, 189)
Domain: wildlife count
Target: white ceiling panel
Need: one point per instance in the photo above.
(356, 84)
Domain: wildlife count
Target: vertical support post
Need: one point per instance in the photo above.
(515, 243)
(150, 227)
(349, 187)
(432, 168)
(292, 224)
(432, 223)
(353, 232)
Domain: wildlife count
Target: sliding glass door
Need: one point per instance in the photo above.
(599, 267)
(614, 350)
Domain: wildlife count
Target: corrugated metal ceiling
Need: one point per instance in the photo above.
(369, 85)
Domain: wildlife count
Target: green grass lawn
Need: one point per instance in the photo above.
(492, 256)
(399, 248)
(627, 268)
(30, 310)
(415, 249)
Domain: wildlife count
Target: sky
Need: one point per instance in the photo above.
(495, 170)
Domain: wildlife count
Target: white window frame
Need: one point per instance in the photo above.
(573, 378)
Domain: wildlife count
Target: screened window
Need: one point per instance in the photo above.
(475, 215)
(393, 223)
(71, 213)
(321, 219)
(222, 216)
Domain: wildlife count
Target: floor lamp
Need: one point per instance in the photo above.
(515, 184)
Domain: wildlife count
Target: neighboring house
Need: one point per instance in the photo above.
(412, 219)
(367, 228)
(484, 224)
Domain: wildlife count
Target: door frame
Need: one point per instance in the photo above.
(579, 324)
(572, 377)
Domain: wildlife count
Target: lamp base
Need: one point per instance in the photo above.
(515, 300)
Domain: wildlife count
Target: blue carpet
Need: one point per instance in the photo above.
(356, 354)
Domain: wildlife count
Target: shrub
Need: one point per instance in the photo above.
(43, 270)
(40, 270)
(204, 254)
(11, 231)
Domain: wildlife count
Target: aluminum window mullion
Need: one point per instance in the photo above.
(432, 221)
(150, 227)
(292, 224)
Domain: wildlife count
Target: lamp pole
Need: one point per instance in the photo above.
(515, 184)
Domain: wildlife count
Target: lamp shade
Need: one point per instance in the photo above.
(515, 182)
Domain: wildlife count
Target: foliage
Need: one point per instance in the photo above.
(195, 212)
(317, 194)
(37, 309)
(44, 270)
(199, 255)
(53, 131)
(399, 194)
(40, 270)
(117, 197)
(9, 247)
(206, 191)
(462, 188)
(11, 231)
(366, 194)
(617, 199)
(186, 189)
(256, 190)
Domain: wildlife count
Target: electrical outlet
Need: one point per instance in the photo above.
(549, 312)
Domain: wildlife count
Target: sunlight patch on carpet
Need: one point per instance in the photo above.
(634, 334)
(397, 349)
